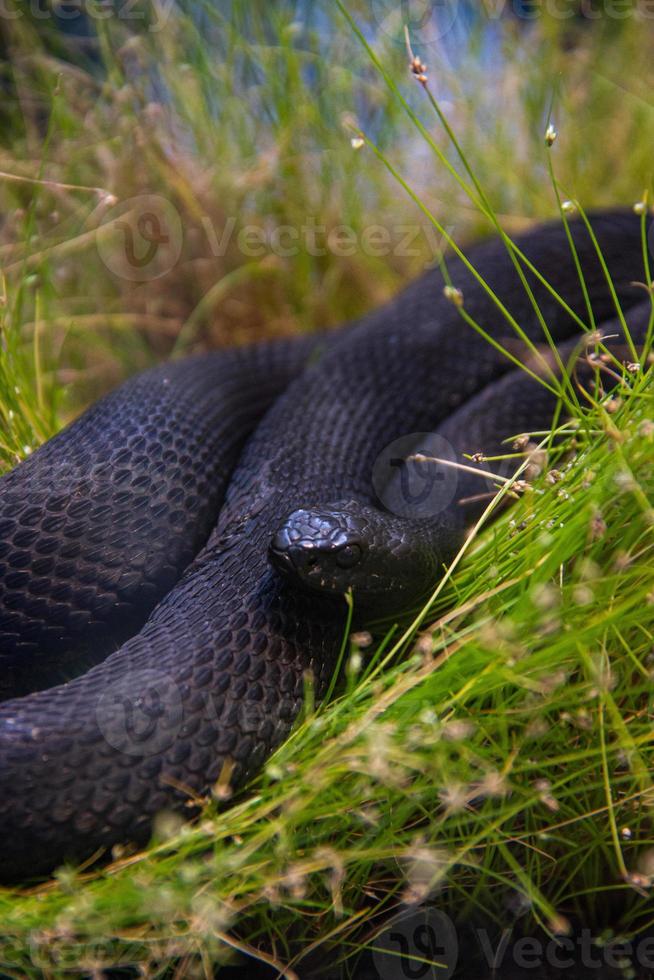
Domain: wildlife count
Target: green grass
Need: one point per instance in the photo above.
(499, 756)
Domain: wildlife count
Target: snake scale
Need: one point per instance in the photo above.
(140, 539)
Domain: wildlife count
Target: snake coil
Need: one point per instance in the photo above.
(147, 538)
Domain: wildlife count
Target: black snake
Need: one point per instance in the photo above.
(141, 537)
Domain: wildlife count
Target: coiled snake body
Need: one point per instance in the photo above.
(200, 670)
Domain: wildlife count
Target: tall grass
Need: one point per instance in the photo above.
(246, 121)
(498, 759)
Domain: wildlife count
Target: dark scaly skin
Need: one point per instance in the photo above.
(518, 404)
(215, 678)
(99, 523)
(388, 561)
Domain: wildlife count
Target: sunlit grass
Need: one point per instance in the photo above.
(498, 759)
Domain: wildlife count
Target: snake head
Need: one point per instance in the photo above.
(322, 550)
(354, 547)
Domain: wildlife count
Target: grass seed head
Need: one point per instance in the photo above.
(550, 135)
(453, 295)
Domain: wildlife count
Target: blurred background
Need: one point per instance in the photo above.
(181, 175)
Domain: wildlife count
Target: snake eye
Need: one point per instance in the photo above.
(348, 556)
